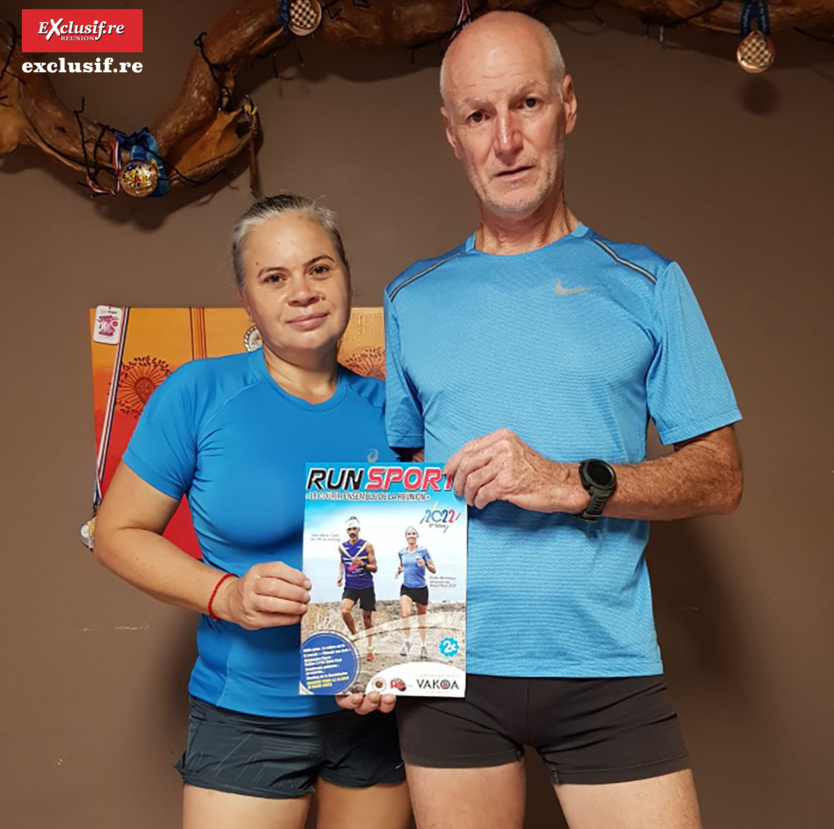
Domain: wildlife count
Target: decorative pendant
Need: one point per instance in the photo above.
(139, 178)
(87, 532)
(756, 53)
(305, 17)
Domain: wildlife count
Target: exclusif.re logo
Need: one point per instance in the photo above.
(81, 30)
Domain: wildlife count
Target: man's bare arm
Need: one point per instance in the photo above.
(371, 566)
(703, 476)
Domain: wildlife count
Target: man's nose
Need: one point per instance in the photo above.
(508, 139)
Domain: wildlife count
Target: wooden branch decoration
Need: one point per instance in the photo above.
(725, 16)
(201, 132)
(196, 137)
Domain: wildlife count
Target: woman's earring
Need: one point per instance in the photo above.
(252, 339)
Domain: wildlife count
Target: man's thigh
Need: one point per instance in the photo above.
(665, 802)
(595, 736)
(483, 729)
(609, 730)
(464, 765)
(616, 754)
(474, 798)
(367, 600)
(586, 730)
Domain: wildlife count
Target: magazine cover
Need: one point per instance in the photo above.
(385, 549)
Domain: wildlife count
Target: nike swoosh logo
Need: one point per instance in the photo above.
(560, 291)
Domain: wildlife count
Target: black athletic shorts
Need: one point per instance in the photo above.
(366, 597)
(282, 757)
(585, 730)
(420, 595)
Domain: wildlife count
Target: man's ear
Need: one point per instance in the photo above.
(569, 103)
(450, 136)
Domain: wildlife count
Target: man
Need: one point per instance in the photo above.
(529, 360)
(357, 564)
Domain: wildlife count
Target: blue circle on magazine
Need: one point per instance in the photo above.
(449, 647)
(329, 663)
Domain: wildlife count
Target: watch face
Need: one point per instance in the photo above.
(601, 474)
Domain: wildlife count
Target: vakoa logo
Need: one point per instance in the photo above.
(81, 30)
(437, 684)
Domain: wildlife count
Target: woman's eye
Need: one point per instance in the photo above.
(321, 270)
(273, 278)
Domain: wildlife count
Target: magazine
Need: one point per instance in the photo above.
(385, 549)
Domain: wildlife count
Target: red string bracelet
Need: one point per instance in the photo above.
(209, 609)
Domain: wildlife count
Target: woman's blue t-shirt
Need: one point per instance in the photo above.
(223, 433)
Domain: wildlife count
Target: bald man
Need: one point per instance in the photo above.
(529, 360)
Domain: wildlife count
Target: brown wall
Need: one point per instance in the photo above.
(676, 148)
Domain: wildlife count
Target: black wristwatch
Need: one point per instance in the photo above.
(600, 481)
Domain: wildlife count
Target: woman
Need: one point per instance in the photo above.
(414, 561)
(233, 434)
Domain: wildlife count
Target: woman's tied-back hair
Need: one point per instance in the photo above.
(268, 208)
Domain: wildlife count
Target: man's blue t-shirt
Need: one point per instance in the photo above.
(222, 432)
(414, 575)
(356, 576)
(573, 346)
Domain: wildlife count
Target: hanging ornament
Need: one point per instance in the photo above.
(144, 173)
(301, 17)
(756, 52)
(139, 178)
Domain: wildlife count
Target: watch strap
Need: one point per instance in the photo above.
(595, 506)
(599, 493)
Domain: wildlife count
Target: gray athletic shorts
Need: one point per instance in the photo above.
(282, 757)
(585, 730)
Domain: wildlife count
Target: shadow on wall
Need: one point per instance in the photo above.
(710, 665)
(759, 95)
(696, 617)
(160, 723)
